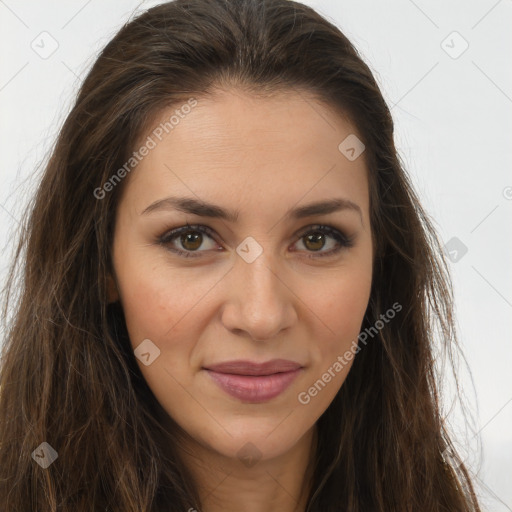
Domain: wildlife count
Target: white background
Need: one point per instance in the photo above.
(453, 131)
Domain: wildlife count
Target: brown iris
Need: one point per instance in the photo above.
(316, 239)
(194, 239)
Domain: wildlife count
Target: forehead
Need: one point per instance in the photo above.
(234, 146)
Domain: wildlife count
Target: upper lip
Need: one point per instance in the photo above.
(240, 367)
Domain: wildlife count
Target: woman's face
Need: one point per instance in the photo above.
(266, 286)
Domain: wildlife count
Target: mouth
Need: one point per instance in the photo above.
(254, 382)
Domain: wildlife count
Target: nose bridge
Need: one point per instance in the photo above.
(260, 281)
(259, 277)
(262, 306)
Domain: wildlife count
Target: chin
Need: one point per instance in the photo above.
(251, 439)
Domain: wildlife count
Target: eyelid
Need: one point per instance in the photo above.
(172, 233)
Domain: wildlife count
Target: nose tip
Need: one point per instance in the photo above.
(262, 307)
(260, 331)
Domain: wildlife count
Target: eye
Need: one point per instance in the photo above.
(313, 239)
(190, 238)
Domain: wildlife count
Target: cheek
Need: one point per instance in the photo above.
(144, 291)
(163, 313)
(344, 311)
(167, 305)
(154, 308)
(340, 306)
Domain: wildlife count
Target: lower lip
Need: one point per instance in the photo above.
(254, 389)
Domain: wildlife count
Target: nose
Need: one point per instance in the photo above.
(259, 300)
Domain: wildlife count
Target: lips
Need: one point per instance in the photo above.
(254, 382)
(252, 368)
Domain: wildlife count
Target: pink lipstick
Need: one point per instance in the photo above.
(254, 382)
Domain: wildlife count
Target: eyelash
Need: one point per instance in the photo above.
(343, 241)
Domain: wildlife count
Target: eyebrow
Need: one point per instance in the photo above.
(205, 209)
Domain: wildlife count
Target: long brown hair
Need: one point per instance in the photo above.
(68, 374)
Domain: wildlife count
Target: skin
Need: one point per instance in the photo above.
(262, 156)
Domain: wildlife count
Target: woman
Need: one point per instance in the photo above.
(229, 288)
